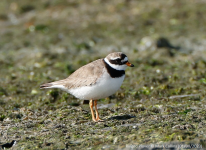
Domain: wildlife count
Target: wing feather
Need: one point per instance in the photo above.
(86, 75)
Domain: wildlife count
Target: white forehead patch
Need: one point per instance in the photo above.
(124, 60)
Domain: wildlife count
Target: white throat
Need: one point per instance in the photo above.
(117, 67)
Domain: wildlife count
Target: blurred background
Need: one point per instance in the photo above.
(47, 40)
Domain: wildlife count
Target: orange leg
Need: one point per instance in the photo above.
(97, 114)
(91, 107)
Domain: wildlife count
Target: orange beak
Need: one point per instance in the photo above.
(129, 64)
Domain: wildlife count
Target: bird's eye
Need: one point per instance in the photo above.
(118, 60)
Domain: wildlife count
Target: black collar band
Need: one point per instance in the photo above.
(113, 72)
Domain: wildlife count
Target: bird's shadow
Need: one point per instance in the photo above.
(122, 117)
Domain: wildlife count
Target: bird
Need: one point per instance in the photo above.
(96, 80)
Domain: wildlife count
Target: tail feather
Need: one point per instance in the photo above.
(46, 85)
(56, 84)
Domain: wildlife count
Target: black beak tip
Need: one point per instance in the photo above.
(132, 65)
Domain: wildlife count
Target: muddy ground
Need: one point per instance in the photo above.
(162, 100)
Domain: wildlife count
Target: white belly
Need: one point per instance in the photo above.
(104, 87)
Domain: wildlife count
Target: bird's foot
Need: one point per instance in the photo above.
(99, 120)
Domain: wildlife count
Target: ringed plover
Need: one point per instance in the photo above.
(96, 80)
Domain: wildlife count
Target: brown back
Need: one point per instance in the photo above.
(84, 76)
